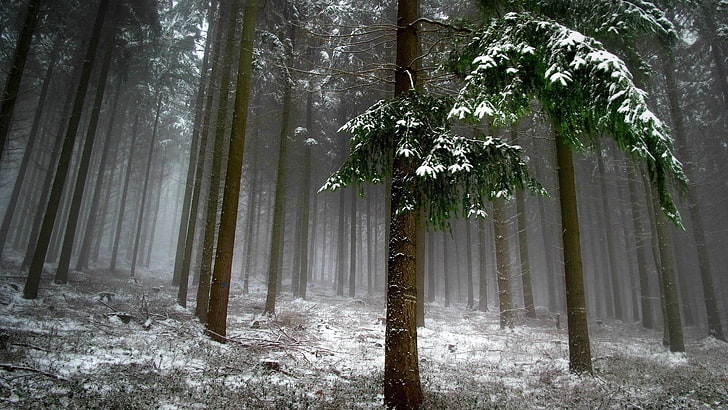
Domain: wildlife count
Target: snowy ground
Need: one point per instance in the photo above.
(71, 348)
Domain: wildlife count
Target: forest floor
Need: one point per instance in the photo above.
(103, 341)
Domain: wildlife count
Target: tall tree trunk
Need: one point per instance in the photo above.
(420, 266)
(30, 290)
(431, 278)
(669, 282)
(124, 194)
(579, 347)
(306, 199)
(228, 11)
(640, 235)
(482, 268)
(12, 86)
(446, 266)
(715, 327)
(503, 263)
(194, 148)
(220, 290)
(84, 163)
(352, 244)
(279, 206)
(523, 255)
(91, 224)
(469, 262)
(402, 389)
(30, 145)
(147, 170)
(611, 241)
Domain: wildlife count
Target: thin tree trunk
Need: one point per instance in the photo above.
(124, 194)
(221, 275)
(12, 86)
(147, 169)
(90, 235)
(306, 200)
(468, 262)
(352, 245)
(523, 255)
(228, 11)
(30, 145)
(482, 268)
(431, 278)
(715, 327)
(84, 164)
(579, 346)
(669, 282)
(420, 266)
(503, 264)
(278, 229)
(611, 241)
(32, 283)
(194, 148)
(640, 234)
(446, 267)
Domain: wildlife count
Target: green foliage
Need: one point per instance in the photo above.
(587, 91)
(452, 173)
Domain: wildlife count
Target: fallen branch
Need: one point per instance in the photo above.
(11, 367)
(42, 349)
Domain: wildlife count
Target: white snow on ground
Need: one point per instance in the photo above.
(71, 348)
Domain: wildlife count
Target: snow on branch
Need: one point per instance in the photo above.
(450, 174)
(587, 91)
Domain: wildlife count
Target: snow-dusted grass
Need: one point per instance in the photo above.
(71, 348)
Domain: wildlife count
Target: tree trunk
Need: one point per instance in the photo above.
(84, 163)
(352, 244)
(10, 94)
(30, 290)
(715, 327)
(611, 241)
(523, 255)
(90, 235)
(420, 266)
(482, 268)
(503, 263)
(579, 348)
(279, 206)
(220, 290)
(402, 389)
(194, 149)
(147, 169)
(306, 199)
(30, 145)
(124, 194)
(669, 282)
(640, 235)
(446, 267)
(228, 11)
(431, 278)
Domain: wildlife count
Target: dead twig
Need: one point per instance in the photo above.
(11, 368)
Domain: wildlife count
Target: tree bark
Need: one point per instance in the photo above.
(579, 347)
(147, 169)
(30, 291)
(220, 290)
(503, 263)
(715, 327)
(306, 199)
(184, 223)
(10, 94)
(30, 145)
(84, 164)
(229, 12)
(91, 224)
(640, 235)
(124, 194)
(402, 389)
(482, 268)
